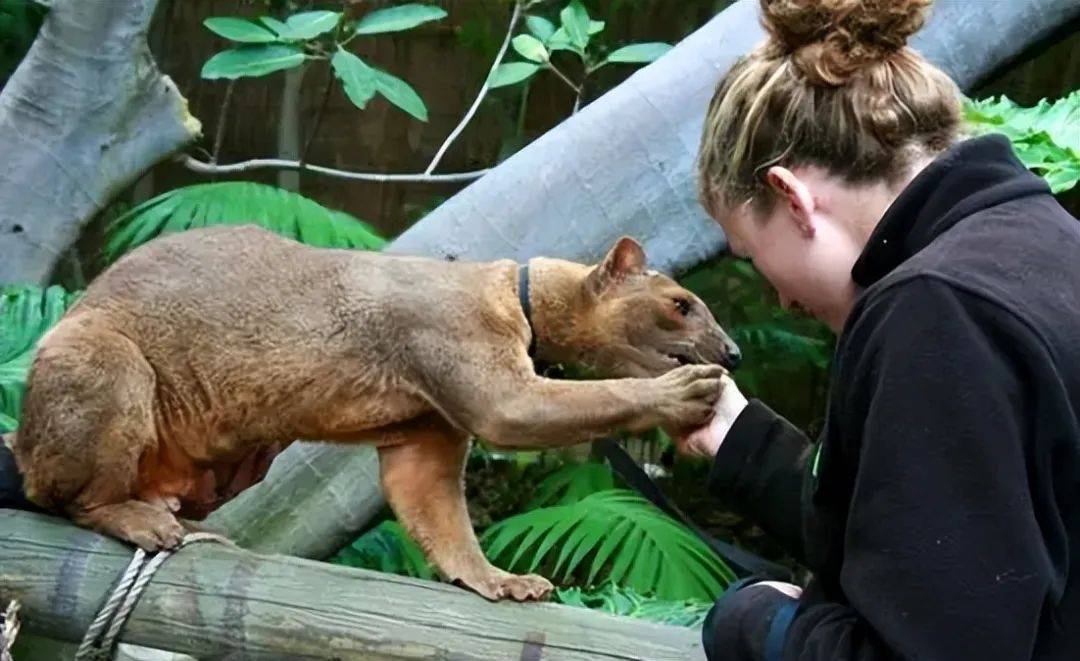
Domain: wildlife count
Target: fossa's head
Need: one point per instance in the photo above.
(624, 320)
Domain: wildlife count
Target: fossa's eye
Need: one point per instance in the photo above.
(683, 306)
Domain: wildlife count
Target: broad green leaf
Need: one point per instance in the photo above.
(559, 41)
(310, 24)
(277, 26)
(26, 312)
(1045, 137)
(575, 21)
(394, 19)
(571, 483)
(540, 27)
(596, 27)
(237, 202)
(627, 602)
(639, 53)
(387, 548)
(610, 535)
(400, 93)
(511, 73)
(238, 29)
(252, 61)
(530, 48)
(357, 78)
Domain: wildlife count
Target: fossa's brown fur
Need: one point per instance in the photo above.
(196, 350)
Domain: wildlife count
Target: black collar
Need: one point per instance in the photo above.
(526, 305)
(970, 176)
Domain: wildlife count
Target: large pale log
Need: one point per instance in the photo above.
(212, 601)
(84, 115)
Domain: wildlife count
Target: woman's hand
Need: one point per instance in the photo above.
(705, 441)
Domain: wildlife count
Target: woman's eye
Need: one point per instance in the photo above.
(683, 306)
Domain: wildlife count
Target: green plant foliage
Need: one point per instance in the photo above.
(1046, 137)
(395, 19)
(26, 312)
(511, 73)
(400, 93)
(240, 30)
(252, 61)
(356, 78)
(639, 53)
(308, 25)
(623, 538)
(238, 202)
(617, 600)
(574, 34)
(571, 483)
(387, 548)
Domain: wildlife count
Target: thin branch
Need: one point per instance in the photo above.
(203, 167)
(222, 117)
(566, 79)
(318, 116)
(483, 90)
(580, 96)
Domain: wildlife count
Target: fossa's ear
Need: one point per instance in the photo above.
(626, 258)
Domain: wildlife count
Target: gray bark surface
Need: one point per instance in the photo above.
(84, 115)
(211, 601)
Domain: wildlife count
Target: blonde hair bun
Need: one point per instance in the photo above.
(830, 40)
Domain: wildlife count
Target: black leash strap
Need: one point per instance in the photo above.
(743, 562)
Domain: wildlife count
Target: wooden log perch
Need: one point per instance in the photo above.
(212, 601)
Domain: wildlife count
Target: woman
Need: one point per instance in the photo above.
(940, 512)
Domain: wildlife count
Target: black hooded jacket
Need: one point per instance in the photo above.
(940, 510)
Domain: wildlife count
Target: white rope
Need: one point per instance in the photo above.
(9, 628)
(97, 646)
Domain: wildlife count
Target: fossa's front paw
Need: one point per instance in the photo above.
(497, 584)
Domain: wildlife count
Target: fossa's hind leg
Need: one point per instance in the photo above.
(89, 418)
(423, 479)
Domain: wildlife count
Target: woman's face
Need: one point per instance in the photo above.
(808, 242)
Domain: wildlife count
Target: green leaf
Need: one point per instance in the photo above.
(26, 312)
(387, 548)
(277, 26)
(571, 483)
(627, 602)
(238, 29)
(511, 73)
(559, 41)
(530, 48)
(639, 53)
(356, 77)
(310, 24)
(576, 22)
(394, 19)
(612, 534)
(1044, 137)
(400, 93)
(596, 27)
(237, 202)
(252, 61)
(541, 28)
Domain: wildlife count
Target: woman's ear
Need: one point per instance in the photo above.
(795, 195)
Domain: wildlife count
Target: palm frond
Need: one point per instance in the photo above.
(571, 483)
(618, 600)
(236, 203)
(624, 538)
(26, 312)
(386, 548)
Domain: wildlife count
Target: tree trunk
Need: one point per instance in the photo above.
(212, 601)
(84, 115)
(625, 165)
(290, 142)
